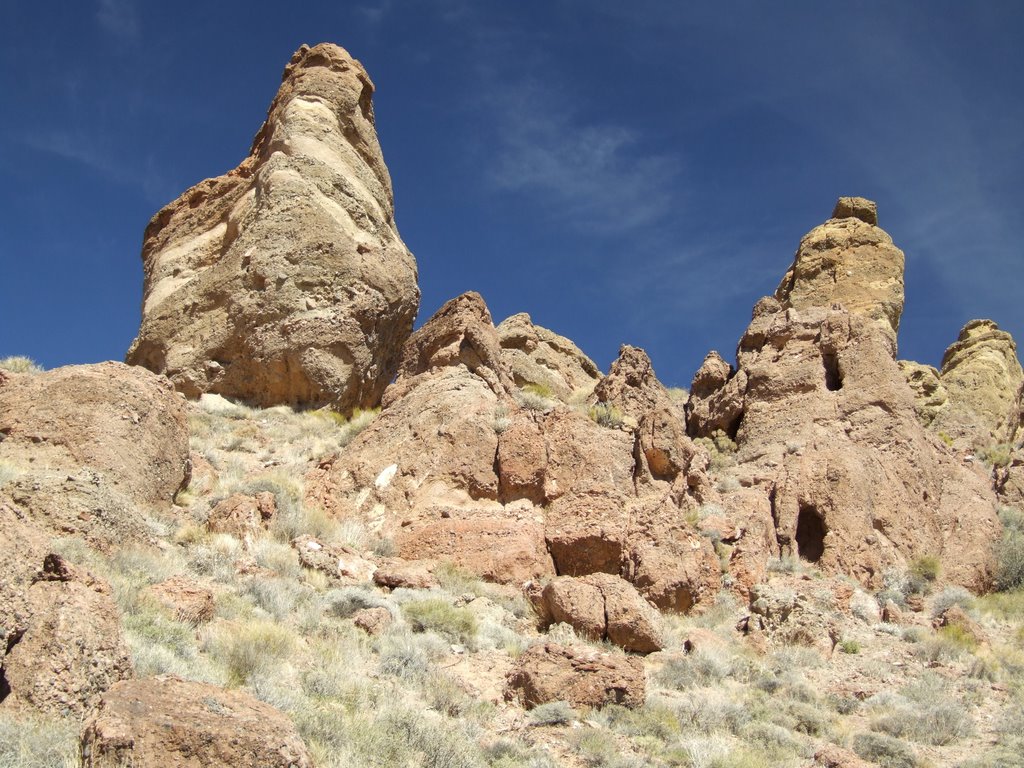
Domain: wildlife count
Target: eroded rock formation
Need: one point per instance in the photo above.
(285, 280)
(535, 355)
(825, 423)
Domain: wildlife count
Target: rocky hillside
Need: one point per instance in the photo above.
(294, 532)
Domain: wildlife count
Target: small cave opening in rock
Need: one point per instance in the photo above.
(833, 376)
(5, 686)
(810, 534)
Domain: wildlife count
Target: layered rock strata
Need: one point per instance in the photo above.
(285, 280)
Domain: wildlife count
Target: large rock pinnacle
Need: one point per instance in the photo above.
(848, 260)
(285, 280)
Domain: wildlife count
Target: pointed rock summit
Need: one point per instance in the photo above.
(285, 280)
(848, 260)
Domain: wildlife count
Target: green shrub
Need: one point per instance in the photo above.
(1010, 551)
(536, 397)
(849, 646)
(605, 415)
(949, 597)
(247, 650)
(996, 455)
(926, 567)
(456, 624)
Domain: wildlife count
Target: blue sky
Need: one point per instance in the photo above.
(625, 172)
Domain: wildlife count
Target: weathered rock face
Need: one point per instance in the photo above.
(850, 261)
(166, 722)
(535, 355)
(455, 469)
(826, 429)
(582, 677)
(96, 446)
(69, 646)
(285, 280)
(981, 378)
(602, 607)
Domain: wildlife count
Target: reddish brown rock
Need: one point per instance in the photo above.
(602, 607)
(393, 573)
(98, 446)
(187, 601)
(833, 756)
(580, 676)
(72, 646)
(373, 621)
(242, 515)
(955, 616)
(285, 280)
(522, 461)
(166, 722)
(502, 550)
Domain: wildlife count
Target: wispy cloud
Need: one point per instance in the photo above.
(594, 175)
(373, 14)
(120, 20)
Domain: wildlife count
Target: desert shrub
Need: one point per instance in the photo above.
(33, 742)
(605, 415)
(721, 448)
(250, 649)
(996, 455)
(849, 646)
(278, 597)
(886, 751)
(552, 713)
(456, 624)
(949, 597)
(1006, 605)
(344, 602)
(278, 557)
(501, 420)
(20, 364)
(926, 568)
(926, 711)
(656, 721)
(406, 656)
(1010, 550)
(536, 397)
(8, 472)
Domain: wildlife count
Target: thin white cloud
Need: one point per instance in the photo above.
(374, 13)
(120, 20)
(594, 175)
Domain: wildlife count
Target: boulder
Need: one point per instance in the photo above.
(336, 561)
(373, 621)
(536, 356)
(849, 261)
(602, 607)
(285, 280)
(167, 722)
(70, 647)
(394, 573)
(580, 676)
(184, 599)
(242, 515)
(99, 447)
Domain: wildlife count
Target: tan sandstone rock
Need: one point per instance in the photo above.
(285, 280)
(98, 446)
(850, 261)
(580, 676)
(166, 722)
(535, 355)
(827, 431)
(602, 607)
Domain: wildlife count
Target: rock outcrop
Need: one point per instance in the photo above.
(537, 356)
(65, 643)
(580, 676)
(826, 429)
(850, 261)
(456, 469)
(97, 447)
(285, 280)
(601, 607)
(166, 722)
(975, 395)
